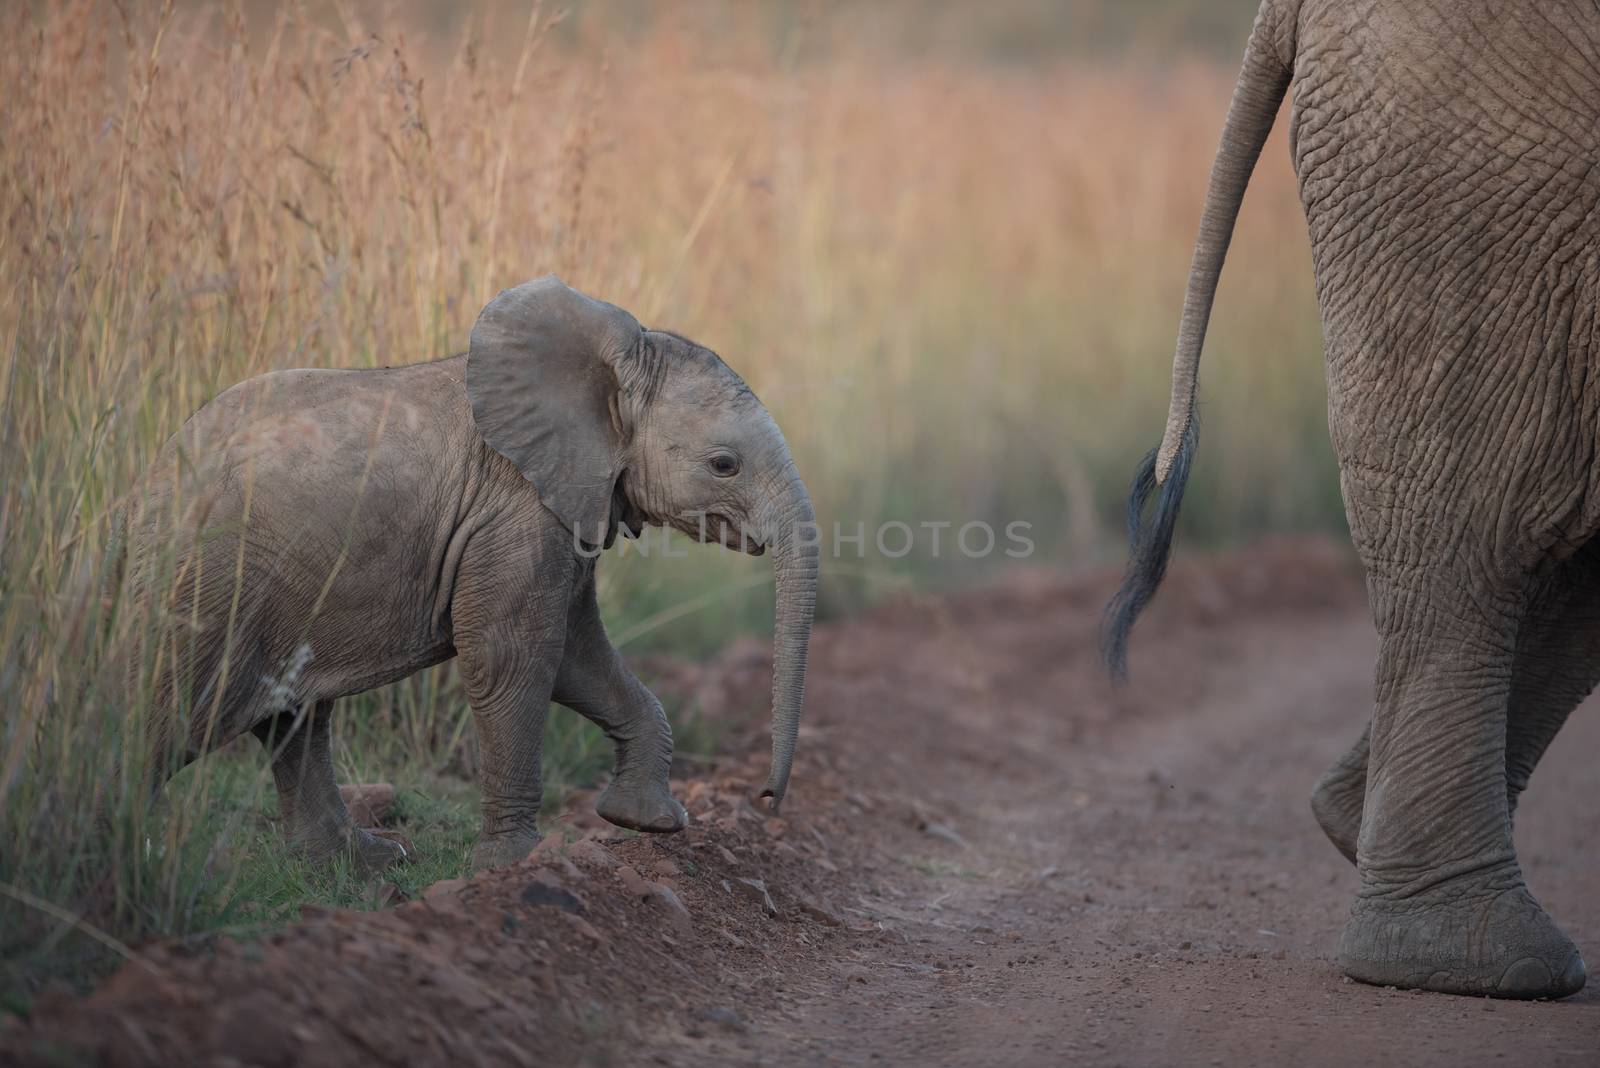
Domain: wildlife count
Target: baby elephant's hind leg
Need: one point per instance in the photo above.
(315, 819)
(595, 683)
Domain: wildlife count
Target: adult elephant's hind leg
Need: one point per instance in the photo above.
(1557, 665)
(315, 819)
(1340, 795)
(1443, 905)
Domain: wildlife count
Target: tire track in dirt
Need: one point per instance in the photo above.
(988, 857)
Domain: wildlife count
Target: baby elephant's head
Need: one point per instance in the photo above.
(617, 426)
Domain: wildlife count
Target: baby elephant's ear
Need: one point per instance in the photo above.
(541, 373)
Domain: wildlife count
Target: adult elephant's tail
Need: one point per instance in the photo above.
(1260, 89)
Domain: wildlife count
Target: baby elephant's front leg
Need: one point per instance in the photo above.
(508, 637)
(594, 682)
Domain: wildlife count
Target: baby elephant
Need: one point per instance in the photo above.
(311, 534)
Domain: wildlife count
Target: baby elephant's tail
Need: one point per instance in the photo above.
(1260, 89)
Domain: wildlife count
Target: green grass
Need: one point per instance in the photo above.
(437, 812)
(237, 874)
(268, 883)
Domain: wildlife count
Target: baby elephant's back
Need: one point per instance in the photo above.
(299, 446)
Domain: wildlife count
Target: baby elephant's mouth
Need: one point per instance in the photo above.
(722, 529)
(710, 528)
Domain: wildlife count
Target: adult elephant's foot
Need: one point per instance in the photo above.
(641, 804)
(503, 849)
(1500, 944)
(1336, 802)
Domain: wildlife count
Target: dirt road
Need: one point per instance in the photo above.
(990, 858)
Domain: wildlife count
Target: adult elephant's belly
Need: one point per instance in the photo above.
(1449, 160)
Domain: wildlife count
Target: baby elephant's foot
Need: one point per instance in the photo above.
(504, 849)
(368, 852)
(1502, 945)
(641, 806)
(373, 854)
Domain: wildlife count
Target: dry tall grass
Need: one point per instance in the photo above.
(955, 285)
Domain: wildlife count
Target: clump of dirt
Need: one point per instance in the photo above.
(596, 942)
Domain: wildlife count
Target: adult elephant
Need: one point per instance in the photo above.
(1448, 153)
(313, 533)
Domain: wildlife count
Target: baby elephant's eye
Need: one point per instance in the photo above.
(723, 465)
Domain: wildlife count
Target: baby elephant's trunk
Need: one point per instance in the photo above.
(792, 535)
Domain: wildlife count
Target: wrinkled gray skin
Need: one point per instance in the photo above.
(1449, 161)
(395, 518)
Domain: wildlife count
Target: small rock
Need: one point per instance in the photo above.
(727, 854)
(945, 833)
(775, 826)
(370, 804)
(541, 894)
(724, 1018)
(583, 926)
(677, 911)
(755, 890)
(821, 912)
(856, 974)
(636, 884)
